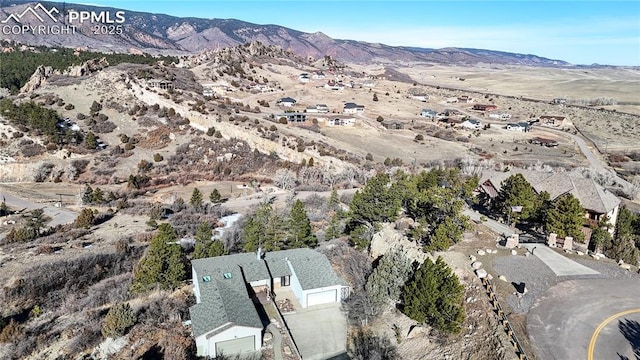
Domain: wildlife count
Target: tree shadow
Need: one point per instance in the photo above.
(631, 331)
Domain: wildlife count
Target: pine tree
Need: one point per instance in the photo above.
(118, 320)
(196, 199)
(4, 209)
(375, 203)
(434, 296)
(300, 231)
(566, 217)
(334, 201)
(37, 220)
(516, 191)
(388, 278)
(91, 141)
(215, 197)
(162, 264)
(87, 195)
(334, 228)
(205, 246)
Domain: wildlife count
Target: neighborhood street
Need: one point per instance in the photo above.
(59, 216)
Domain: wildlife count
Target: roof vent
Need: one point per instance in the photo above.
(206, 278)
(226, 275)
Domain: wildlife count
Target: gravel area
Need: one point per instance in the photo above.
(528, 269)
(538, 277)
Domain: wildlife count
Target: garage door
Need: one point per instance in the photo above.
(321, 297)
(236, 346)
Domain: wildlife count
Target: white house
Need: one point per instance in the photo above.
(353, 108)
(287, 102)
(428, 113)
(225, 318)
(303, 78)
(318, 75)
(341, 121)
(521, 126)
(319, 108)
(472, 124)
(503, 116)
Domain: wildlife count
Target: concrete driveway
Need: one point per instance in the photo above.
(320, 332)
(587, 319)
(560, 265)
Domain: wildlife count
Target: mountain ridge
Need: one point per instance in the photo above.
(162, 33)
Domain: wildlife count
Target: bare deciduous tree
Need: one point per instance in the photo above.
(285, 179)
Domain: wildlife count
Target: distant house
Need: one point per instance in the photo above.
(503, 116)
(369, 83)
(353, 108)
(303, 78)
(293, 117)
(428, 113)
(596, 200)
(559, 101)
(521, 126)
(341, 121)
(484, 107)
(393, 124)
(452, 100)
(287, 102)
(472, 124)
(420, 97)
(552, 121)
(319, 108)
(334, 85)
(318, 75)
(543, 142)
(160, 84)
(225, 318)
(464, 99)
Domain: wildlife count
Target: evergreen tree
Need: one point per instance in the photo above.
(87, 195)
(215, 196)
(97, 196)
(205, 246)
(388, 278)
(334, 228)
(37, 220)
(4, 209)
(434, 296)
(516, 191)
(377, 202)
(91, 141)
(334, 201)
(300, 231)
(118, 320)
(162, 264)
(196, 199)
(85, 219)
(566, 218)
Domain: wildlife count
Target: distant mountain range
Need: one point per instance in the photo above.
(159, 33)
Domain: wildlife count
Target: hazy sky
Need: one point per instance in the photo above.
(580, 32)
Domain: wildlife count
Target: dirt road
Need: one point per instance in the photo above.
(59, 216)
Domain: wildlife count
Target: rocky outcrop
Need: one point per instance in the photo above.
(38, 78)
(42, 73)
(389, 238)
(88, 67)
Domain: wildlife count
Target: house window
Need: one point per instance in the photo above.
(226, 275)
(284, 281)
(206, 278)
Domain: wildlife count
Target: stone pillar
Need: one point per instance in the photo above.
(568, 243)
(551, 240)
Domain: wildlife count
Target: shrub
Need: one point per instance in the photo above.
(69, 107)
(85, 219)
(118, 320)
(157, 157)
(419, 137)
(10, 332)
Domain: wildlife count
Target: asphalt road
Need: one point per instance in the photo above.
(563, 321)
(58, 215)
(490, 223)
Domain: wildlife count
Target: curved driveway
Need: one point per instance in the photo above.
(564, 319)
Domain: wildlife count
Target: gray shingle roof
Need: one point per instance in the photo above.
(592, 196)
(225, 301)
(312, 268)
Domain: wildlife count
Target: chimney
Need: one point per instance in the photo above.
(259, 253)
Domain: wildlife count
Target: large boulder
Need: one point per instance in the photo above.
(389, 238)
